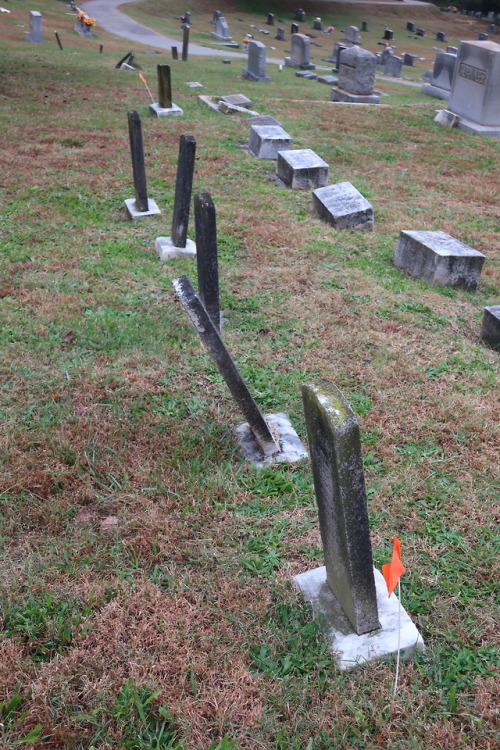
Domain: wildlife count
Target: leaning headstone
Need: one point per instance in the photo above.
(178, 243)
(185, 43)
(439, 85)
(490, 329)
(262, 439)
(238, 100)
(270, 19)
(266, 140)
(124, 59)
(438, 258)
(141, 205)
(393, 66)
(206, 255)
(256, 65)
(475, 92)
(58, 40)
(35, 32)
(300, 53)
(362, 623)
(221, 31)
(280, 35)
(301, 169)
(356, 77)
(343, 207)
(164, 107)
(351, 35)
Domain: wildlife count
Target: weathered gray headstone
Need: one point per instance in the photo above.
(221, 32)
(256, 65)
(475, 92)
(490, 330)
(300, 15)
(343, 207)
(164, 107)
(178, 244)
(280, 34)
(439, 85)
(301, 169)
(408, 59)
(239, 100)
(393, 66)
(440, 36)
(300, 53)
(351, 35)
(266, 140)
(141, 205)
(356, 77)
(270, 19)
(438, 258)
(35, 32)
(294, 28)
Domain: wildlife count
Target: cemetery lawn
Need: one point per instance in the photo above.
(146, 596)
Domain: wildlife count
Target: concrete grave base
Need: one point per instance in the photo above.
(435, 91)
(339, 95)
(249, 76)
(134, 214)
(301, 169)
(166, 250)
(220, 38)
(490, 330)
(173, 111)
(291, 448)
(291, 63)
(353, 650)
(445, 117)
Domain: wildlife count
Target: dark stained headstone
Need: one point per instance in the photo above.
(206, 255)
(364, 26)
(213, 342)
(164, 86)
(183, 187)
(389, 34)
(270, 19)
(335, 448)
(58, 40)
(294, 28)
(175, 53)
(123, 59)
(137, 155)
(280, 34)
(185, 43)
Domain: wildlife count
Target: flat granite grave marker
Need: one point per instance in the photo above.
(490, 329)
(266, 140)
(439, 85)
(141, 205)
(301, 169)
(178, 244)
(35, 32)
(356, 77)
(206, 255)
(256, 436)
(256, 65)
(164, 107)
(343, 207)
(300, 56)
(438, 258)
(361, 621)
(475, 92)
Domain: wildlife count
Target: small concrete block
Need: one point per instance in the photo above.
(239, 100)
(343, 207)
(353, 650)
(301, 169)
(306, 74)
(134, 214)
(438, 258)
(291, 448)
(266, 140)
(339, 95)
(445, 117)
(329, 80)
(490, 330)
(126, 66)
(264, 120)
(194, 84)
(173, 111)
(166, 250)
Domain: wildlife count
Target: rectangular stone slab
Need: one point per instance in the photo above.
(438, 258)
(343, 207)
(301, 169)
(490, 330)
(266, 140)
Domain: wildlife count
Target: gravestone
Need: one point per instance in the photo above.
(301, 169)
(490, 329)
(217, 14)
(206, 255)
(475, 91)
(441, 79)
(351, 35)
(356, 77)
(361, 621)
(364, 26)
(384, 56)
(393, 66)
(58, 40)
(420, 32)
(338, 48)
(270, 19)
(141, 205)
(266, 140)
(329, 80)
(35, 32)
(124, 59)
(221, 31)
(300, 53)
(237, 100)
(263, 120)
(482, 37)
(164, 107)
(175, 53)
(300, 15)
(438, 258)
(452, 50)
(440, 36)
(185, 43)
(343, 207)
(317, 24)
(294, 28)
(410, 26)
(408, 59)
(256, 65)
(178, 245)
(388, 34)
(308, 75)
(280, 35)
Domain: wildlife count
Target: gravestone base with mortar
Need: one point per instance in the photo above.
(291, 448)
(266, 140)
(301, 169)
(352, 650)
(343, 207)
(339, 95)
(157, 111)
(490, 329)
(133, 212)
(166, 250)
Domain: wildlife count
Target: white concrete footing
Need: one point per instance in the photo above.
(291, 448)
(353, 650)
(166, 250)
(134, 214)
(157, 111)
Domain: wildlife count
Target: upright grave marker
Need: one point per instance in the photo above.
(206, 255)
(164, 107)
(141, 205)
(185, 43)
(178, 244)
(356, 77)
(300, 56)
(439, 85)
(256, 65)
(352, 35)
(362, 623)
(35, 32)
(221, 30)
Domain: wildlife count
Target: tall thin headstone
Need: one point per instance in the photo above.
(141, 205)
(183, 187)
(206, 255)
(185, 43)
(35, 32)
(175, 53)
(256, 66)
(164, 106)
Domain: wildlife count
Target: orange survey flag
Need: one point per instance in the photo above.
(393, 571)
(142, 78)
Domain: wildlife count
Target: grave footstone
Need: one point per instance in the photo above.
(178, 243)
(343, 207)
(35, 32)
(356, 77)
(301, 169)
(361, 621)
(300, 53)
(164, 107)
(221, 31)
(185, 43)
(256, 65)
(441, 79)
(266, 140)
(490, 329)
(475, 91)
(206, 255)
(438, 258)
(141, 205)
